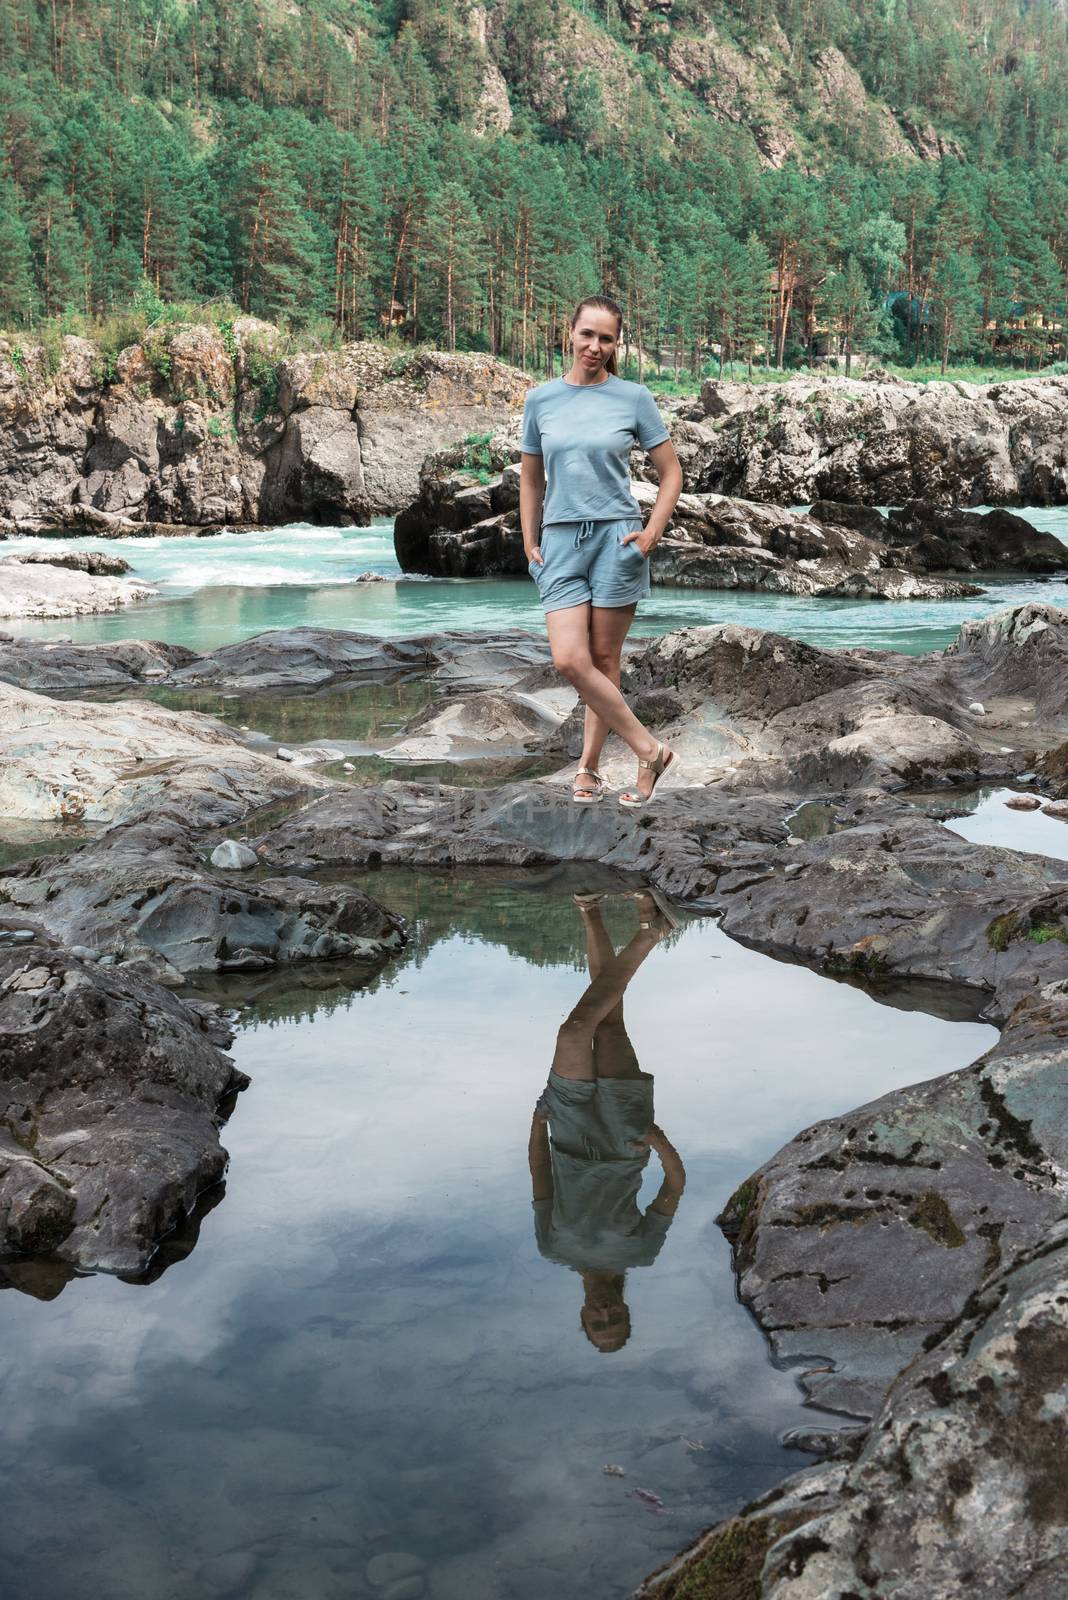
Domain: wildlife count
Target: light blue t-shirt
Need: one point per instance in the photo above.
(585, 433)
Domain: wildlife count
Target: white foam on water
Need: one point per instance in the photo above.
(299, 554)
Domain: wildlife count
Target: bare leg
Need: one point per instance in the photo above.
(574, 1056)
(569, 637)
(609, 626)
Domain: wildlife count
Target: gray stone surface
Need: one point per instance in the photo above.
(333, 436)
(108, 761)
(96, 1186)
(234, 856)
(45, 666)
(458, 527)
(959, 1488)
(45, 590)
(141, 891)
(885, 443)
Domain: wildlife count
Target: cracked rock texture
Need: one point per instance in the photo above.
(105, 762)
(959, 1489)
(192, 433)
(144, 892)
(884, 443)
(109, 1096)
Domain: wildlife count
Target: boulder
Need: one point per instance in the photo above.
(141, 892)
(46, 667)
(967, 1441)
(928, 538)
(460, 527)
(234, 856)
(98, 563)
(109, 1095)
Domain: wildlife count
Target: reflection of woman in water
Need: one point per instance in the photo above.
(592, 1132)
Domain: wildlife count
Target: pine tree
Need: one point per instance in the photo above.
(452, 261)
(17, 296)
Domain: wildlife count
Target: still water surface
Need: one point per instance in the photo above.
(215, 591)
(365, 1352)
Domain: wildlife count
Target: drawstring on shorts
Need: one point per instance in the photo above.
(584, 531)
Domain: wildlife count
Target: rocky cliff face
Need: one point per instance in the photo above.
(883, 443)
(204, 426)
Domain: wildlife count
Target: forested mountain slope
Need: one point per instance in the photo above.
(736, 172)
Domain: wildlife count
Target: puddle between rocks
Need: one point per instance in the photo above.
(366, 1353)
(982, 816)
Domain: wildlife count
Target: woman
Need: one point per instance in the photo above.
(583, 536)
(592, 1132)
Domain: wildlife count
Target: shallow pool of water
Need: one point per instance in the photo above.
(984, 818)
(366, 1351)
(215, 591)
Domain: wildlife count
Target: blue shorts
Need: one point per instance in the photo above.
(588, 561)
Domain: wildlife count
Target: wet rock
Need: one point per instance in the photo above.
(928, 538)
(98, 563)
(234, 856)
(227, 1574)
(405, 1588)
(459, 529)
(1023, 802)
(105, 761)
(689, 566)
(46, 666)
(473, 722)
(109, 1087)
(968, 1439)
(833, 1444)
(312, 658)
(140, 891)
(683, 846)
(44, 590)
(393, 1567)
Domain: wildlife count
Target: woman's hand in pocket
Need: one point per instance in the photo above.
(646, 540)
(535, 557)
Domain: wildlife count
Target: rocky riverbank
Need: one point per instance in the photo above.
(873, 442)
(907, 1254)
(462, 528)
(199, 426)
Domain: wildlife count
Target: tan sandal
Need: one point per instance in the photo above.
(588, 797)
(633, 798)
(664, 920)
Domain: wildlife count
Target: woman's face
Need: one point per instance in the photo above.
(593, 338)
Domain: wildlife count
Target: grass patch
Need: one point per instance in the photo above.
(1045, 932)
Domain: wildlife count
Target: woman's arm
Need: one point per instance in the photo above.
(669, 472)
(541, 1167)
(531, 495)
(670, 1193)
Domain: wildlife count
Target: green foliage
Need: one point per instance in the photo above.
(158, 355)
(477, 456)
(329, 167)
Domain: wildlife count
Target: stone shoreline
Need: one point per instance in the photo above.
(911, 1252)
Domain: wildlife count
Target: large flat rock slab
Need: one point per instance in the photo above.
(43, 590)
